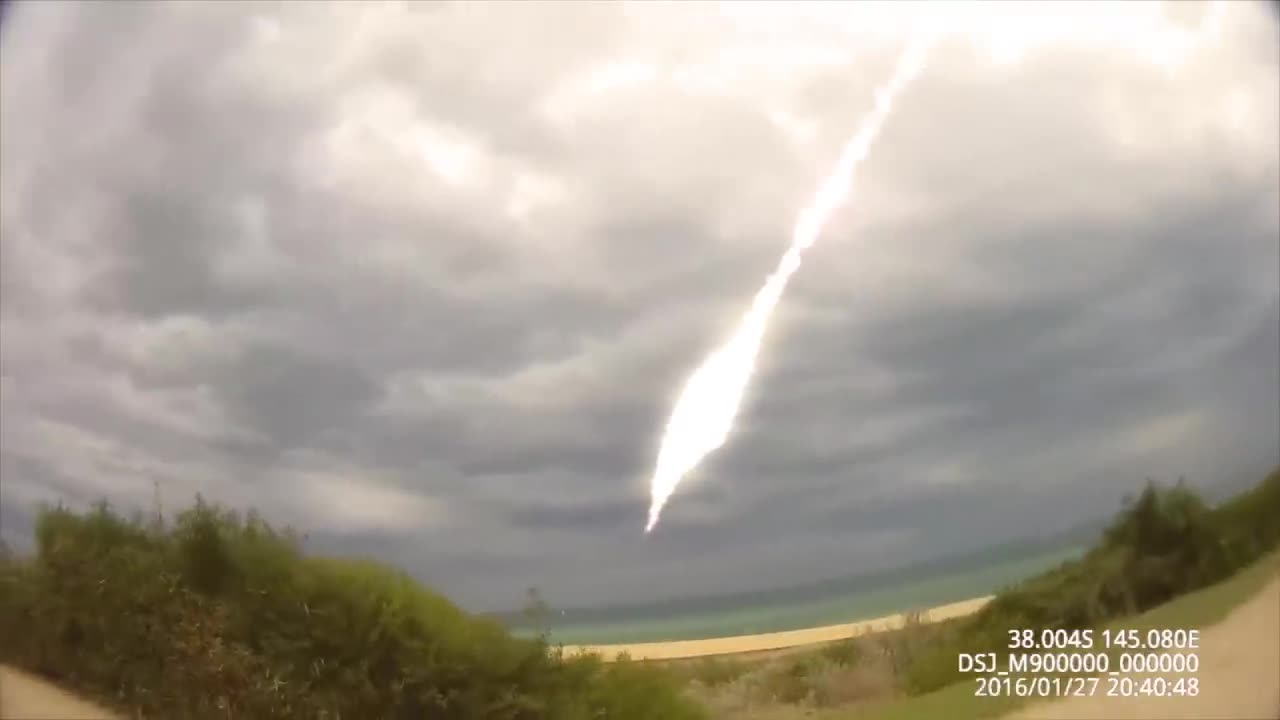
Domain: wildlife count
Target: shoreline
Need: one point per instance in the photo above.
(782, 640)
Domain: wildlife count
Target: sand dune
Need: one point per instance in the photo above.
(673, 649)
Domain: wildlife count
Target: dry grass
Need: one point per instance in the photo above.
(844, 685)
(799, 682)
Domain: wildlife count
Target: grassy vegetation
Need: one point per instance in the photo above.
(791, 683)
(1162, 545)
(1199, 608)
(218, 616)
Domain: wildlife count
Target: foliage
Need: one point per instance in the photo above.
(714, 672)
(1199, 608)
(793, 680)
(1162, 544)
(842, 653)
(221, 616)
(836, 674)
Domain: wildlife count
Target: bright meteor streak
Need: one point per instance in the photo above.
(704, 413)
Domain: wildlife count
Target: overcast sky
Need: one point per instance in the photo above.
(423, 279)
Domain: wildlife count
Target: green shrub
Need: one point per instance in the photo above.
(792, 680)
(842, 653)
(839, 685)
(714, 671)
(219, 616)
(1164, 543)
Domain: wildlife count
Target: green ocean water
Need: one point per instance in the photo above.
(823, 607)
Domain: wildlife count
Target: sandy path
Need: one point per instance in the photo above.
(673, 649)
(27, 697)
(1239, 674)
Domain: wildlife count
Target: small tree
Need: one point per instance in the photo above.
(537, 613)
(205, 559)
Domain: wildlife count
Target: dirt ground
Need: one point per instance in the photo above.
(26, 697)
(1239, 674)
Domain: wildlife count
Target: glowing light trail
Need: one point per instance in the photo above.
(704, 413)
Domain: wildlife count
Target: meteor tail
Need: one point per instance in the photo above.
(704, 412)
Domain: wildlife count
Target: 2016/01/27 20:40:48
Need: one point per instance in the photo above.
(1043, 686)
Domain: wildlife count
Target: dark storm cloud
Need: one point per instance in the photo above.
(432, 302)
(595, 518)
(291, 398)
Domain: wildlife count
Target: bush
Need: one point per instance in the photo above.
(791, 681)
(220, 616)
(1164, 543)
(840, 685)
(842, 653)
(714, 672)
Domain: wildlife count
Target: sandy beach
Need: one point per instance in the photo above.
(674, 649)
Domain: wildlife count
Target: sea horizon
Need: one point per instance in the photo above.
(841, 600)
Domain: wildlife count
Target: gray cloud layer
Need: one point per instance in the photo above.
(423, 279)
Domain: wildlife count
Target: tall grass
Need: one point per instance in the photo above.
(222, 616)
